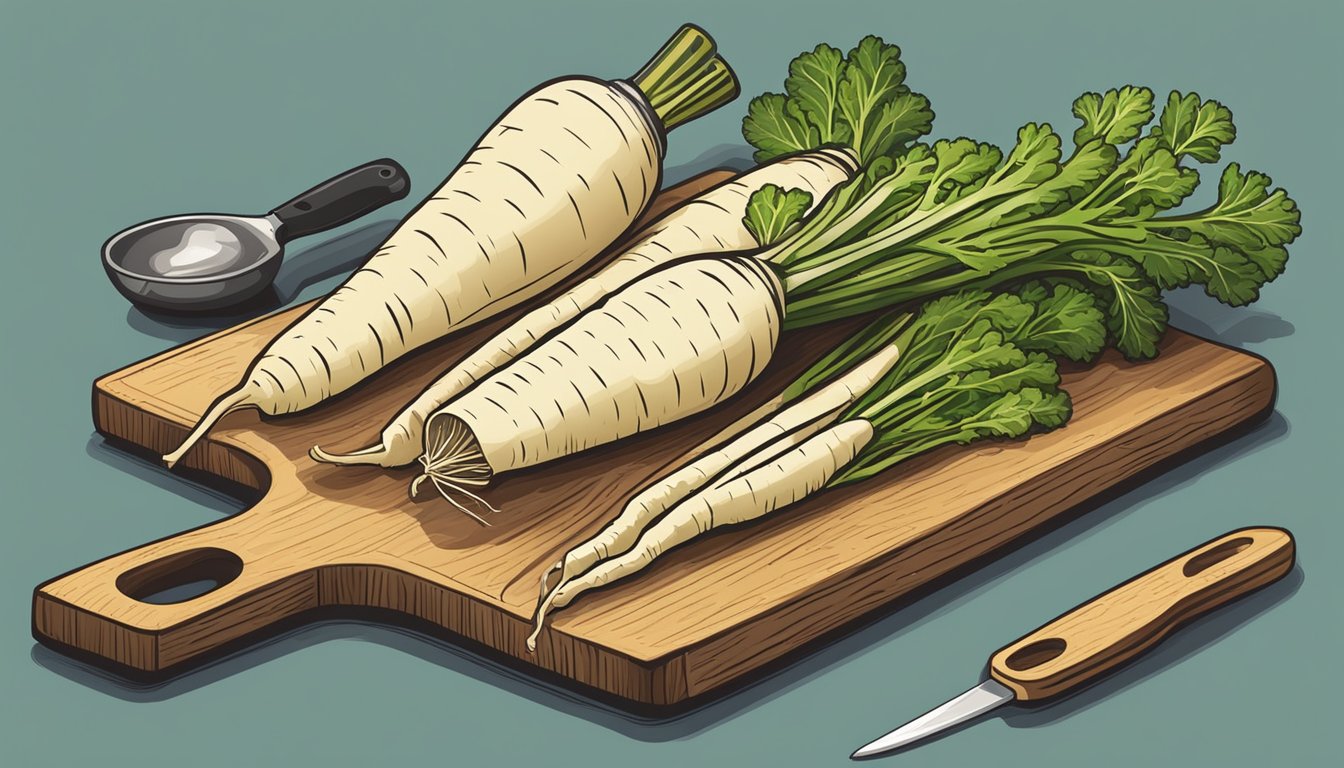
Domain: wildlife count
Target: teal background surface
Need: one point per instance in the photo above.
(116, 112)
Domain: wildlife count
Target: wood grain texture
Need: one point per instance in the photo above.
(1108, 630)
(705, 616)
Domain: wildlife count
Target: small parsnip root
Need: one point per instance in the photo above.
(970, 366)
(792, 475)
(745, 438)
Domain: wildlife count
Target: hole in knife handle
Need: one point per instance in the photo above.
(180, 577)
(1036, 654)
(1206, 560)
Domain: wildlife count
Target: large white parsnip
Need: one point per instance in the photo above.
(559, 177)
(669, 345)
(709, 223)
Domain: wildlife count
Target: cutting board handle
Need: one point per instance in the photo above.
(164, 603)
(1108, 630)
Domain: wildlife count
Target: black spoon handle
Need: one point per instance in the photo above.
(342, 198)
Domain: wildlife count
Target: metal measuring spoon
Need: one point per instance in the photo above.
(206, 262)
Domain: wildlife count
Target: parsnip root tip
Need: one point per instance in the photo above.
(539, 621)
(350, 458)
(545, 576)
(545, 600)
(221, 408)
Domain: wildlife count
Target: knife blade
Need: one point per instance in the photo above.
(1092, 639)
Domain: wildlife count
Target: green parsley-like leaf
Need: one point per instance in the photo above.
(771, 211)
(873, 77)
(1248, 217)
(963, 166)
(776, 126)
(1114, 117)
(1037, 370)
(1136, 316)
(814, 82)
(1196, 128)
(1225, 273)
(904, 118)
(1066, 323)
(1153, 181)
(859, 101)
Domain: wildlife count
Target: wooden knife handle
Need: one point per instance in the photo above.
(1110, 629)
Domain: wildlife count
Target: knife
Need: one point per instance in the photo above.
(1092, 639)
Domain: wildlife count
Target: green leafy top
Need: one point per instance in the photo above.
(972, 365)
(858, 100)
(958, 213)
(771, 212)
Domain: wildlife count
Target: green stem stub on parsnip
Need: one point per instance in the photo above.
(686, 78)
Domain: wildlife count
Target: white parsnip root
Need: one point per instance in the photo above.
(558, 178)
(759, 435)
(970, 366)
(510, 432)
(638, 360)
(794, 474)
(709, 223)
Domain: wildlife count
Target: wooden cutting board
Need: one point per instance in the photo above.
(350, 541)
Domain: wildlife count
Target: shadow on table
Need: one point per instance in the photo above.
(300, 269)
(224, 500)
(1193, 312)
(926, 605)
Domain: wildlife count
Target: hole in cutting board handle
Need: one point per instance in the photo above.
(180, 577)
